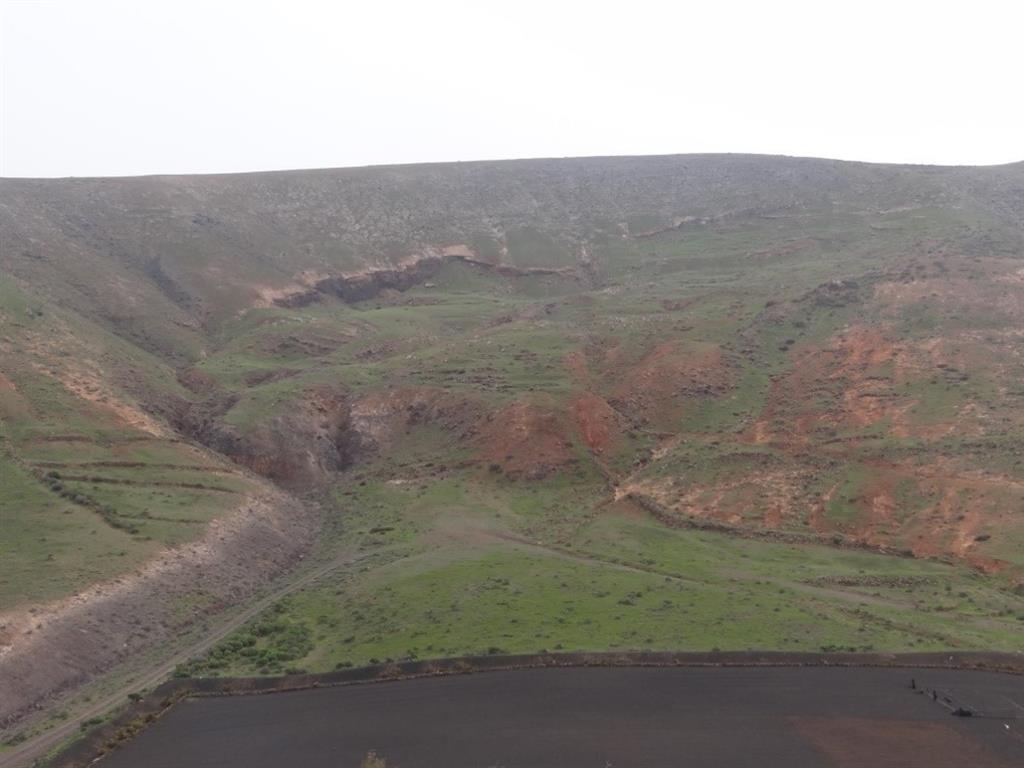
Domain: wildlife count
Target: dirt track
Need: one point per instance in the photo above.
(806, 716)
(34, 748)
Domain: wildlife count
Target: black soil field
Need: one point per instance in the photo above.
(598, 717)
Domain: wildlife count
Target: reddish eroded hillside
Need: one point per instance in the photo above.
(846, 383)
(527, 439)
(652, 384)
(599, 425)
(937, 509)
(657, 388)
(873, 431)
(954, 510)
(824, 429)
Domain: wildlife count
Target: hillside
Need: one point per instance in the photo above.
(662, 402)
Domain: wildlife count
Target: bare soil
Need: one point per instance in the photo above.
(526, 439)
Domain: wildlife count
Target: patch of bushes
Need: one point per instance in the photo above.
(266, 647)
(85, 725)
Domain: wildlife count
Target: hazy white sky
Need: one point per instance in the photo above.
(93, 87)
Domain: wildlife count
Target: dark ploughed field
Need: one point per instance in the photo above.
(599, 717)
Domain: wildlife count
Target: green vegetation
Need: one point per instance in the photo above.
(668, 403)
(52, 546)
(87, 490)
(616, 583)
(268, 645)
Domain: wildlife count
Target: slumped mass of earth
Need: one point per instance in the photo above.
(299, 421)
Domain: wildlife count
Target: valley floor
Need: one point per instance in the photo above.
(458, 567)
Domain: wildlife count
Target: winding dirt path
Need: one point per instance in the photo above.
(22, 755)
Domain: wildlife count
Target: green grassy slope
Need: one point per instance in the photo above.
(522, 439)
(448, 571)
(93, 484)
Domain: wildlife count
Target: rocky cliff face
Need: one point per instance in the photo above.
(300, 445)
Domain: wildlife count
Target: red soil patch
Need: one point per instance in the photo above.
(660, 385)
(849, 360)
(855, 382)
(850, 742)
(6, 385)
(935, 510)
(597, 422)
(771, 498)
(964, 506)
(526, 439)
(953, 510)
(859, 368)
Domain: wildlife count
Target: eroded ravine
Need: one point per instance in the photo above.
(50, 651)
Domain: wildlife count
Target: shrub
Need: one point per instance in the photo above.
(85, 725)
